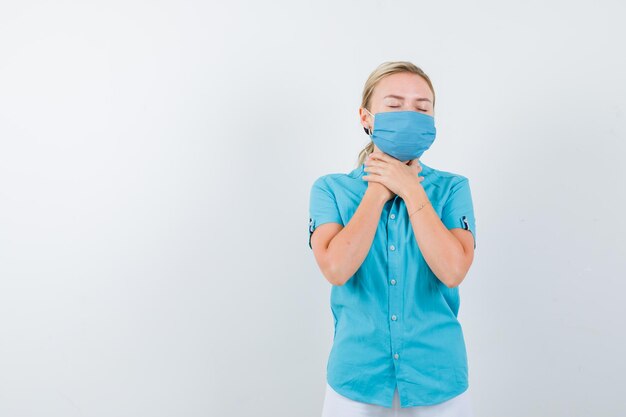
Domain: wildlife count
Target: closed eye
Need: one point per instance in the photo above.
(394, 107)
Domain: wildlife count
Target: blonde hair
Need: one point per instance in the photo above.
(383, 70)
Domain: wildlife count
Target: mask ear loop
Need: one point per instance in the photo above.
(367, 130)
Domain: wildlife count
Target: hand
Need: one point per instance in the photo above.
(396, 176)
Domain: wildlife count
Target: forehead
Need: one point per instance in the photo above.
(404, 84)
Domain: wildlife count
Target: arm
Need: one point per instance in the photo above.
(340, 251)
(448, 252)
(447, 244)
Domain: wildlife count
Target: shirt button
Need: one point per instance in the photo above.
(394, 317)
(392, 247)
(393, 282)
(393, 216)
(396, 356)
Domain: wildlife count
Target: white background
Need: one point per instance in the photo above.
(156, 160)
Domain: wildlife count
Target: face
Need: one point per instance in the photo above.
(398, 92)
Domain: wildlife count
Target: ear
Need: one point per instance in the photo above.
(364, 119)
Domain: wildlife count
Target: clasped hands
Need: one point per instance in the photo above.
(399, 177)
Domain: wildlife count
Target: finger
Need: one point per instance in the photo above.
(374, 163)
(376, 156)
(373, 170)
(382, 156)
(415, 163)
(379, 155)
(373, 177)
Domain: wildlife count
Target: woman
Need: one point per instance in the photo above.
(395, 237)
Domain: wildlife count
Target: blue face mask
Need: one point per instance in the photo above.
(405, 135)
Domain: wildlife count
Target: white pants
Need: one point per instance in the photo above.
(336, 405)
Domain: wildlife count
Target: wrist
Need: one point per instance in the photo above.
(410, 189)
(415, 199)
(375, 198)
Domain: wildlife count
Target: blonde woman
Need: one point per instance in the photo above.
(395, 238)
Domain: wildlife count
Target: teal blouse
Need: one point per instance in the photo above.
(395, 322)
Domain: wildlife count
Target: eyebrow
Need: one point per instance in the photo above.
(402, 98)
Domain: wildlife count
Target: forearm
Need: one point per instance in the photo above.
(441, 250)
(349, 248)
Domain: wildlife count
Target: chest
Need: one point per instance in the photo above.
(394, 218)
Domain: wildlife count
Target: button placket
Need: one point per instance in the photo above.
(395, 295)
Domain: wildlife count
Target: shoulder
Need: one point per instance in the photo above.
(336, 181)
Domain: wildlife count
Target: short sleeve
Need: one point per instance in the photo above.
(322, 207)
(458, 211)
